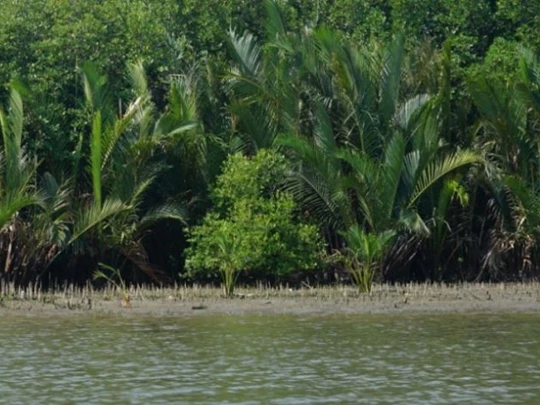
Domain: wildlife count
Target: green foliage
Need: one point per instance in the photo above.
(16, 170)
(364, 254)
(258, 177)
(415, 118)
(519, 20)
(499, 63)
(360, 21)
(254, 227)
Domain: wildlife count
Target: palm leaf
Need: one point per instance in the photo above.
(95, 157)
(171, 210)
(246, 53)
(392, 171)
(95, 90)
(391, 78)
(11, 204)
(530, 79)
(95, 216)
(407, 110)
(439, 168)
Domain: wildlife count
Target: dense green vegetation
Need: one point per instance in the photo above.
(278, 142)
(248, 230)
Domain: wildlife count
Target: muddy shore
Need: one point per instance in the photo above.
(180, 301)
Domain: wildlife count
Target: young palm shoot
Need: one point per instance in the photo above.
(364, 253)
(114, 278)
(229, 266)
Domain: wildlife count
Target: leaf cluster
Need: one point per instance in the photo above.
(253, 227)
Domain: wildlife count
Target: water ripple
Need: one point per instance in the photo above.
(272, 359)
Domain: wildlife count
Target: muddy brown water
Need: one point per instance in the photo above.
(271, 359)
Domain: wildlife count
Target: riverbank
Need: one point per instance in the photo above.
(411, 298)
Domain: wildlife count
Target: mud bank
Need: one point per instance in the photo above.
(180, 301)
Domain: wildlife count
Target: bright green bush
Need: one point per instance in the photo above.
(253, 227)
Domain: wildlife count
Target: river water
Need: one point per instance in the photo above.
(271, 359)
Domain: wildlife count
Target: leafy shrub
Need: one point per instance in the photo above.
(253, 227)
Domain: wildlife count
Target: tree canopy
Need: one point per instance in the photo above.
(273, 141)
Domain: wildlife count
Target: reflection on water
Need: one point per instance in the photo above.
(272, 359)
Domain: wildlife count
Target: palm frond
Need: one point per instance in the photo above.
(95, 157)
(391, 78)
(95, 89)
(53, 197)
(324, 134)
(137, 77)
(314, 195)
(407, 110)
(246, 52)
(170, 210)
(392, 171)
(439, 168)
(16, 117)
(94, 216)
(530, 79)
(10, 204)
